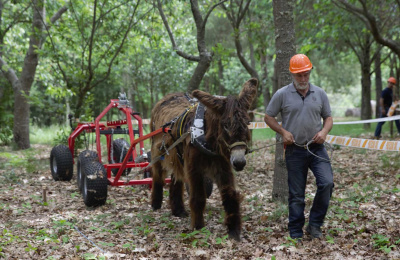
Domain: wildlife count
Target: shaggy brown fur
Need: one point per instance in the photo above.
(226, 122)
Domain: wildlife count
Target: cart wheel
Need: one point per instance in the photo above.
(120, 146)
(84, 157)
(95, 182)
(61, 163)
(209, 186)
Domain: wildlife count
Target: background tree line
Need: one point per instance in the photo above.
(61, 57)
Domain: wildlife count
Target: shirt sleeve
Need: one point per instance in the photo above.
(274, 106)
(326, 107)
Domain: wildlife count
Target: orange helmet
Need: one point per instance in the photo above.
(392, 80)
(300, 63)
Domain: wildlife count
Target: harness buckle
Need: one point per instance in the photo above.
(195, 133)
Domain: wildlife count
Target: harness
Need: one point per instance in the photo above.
(196, 131)
(197, 137)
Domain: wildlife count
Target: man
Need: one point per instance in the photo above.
(302, 105)
(385, 102)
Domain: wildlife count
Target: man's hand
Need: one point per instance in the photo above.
(320, 137)
(287, 137)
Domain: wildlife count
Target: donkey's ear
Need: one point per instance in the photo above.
(214, 103)
(248, 92)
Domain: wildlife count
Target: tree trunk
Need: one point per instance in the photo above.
(200, 71)
(285, 49)
(378, 83)
(23, 87)
(366, 82)
(264, 77)
(221, 88)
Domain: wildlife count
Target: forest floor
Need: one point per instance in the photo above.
(362, 223)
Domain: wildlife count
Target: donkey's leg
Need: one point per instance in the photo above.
(158, 184)
(197, 199)
(231, 202)
(176, 198)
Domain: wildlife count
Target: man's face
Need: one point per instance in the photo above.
(301, 79)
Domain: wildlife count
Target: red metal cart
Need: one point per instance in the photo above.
(94, 176)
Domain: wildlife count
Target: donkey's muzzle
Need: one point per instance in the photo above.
(238, 159)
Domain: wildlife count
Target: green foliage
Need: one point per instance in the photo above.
(7, 238)
(281, 210)
(62, 137)
(5, 134)
(44, 134)
(197, 238)
(382, 243)
(12, 160)
(129, 246)
(390, 161)
(291, 242)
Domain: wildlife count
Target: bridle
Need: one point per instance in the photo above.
(231, 146)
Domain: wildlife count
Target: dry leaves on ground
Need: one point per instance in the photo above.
(362, 222)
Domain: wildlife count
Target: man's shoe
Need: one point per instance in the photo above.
(315, 232)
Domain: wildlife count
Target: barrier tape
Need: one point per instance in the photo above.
(260, 125)
(382, 145)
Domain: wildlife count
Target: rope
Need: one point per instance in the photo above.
(156, 159)
(263, 147)
(89, 239)
(308, 149)
(327, 145)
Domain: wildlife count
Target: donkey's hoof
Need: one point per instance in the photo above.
(233, 234)
(156, 206)
(180, 214)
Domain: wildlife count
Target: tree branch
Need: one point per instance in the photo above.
(91, 40)
(242, 14)
(209, 13)
(171, 36)
(371, 23)
(8, 72)
(130, 26)
(58, 14)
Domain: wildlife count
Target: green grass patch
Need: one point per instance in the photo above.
(45, 135)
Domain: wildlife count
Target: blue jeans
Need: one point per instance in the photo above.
(378, 128)
(298, 161)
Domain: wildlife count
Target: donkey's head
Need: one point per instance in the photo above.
(229, 122)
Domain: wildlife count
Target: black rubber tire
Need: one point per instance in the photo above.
(84, 157)
(209, 187)
(120, 146)
(61, 163)
(95, 184)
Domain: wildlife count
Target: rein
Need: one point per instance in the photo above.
(306, 146)
(327, 145)
(263, 147)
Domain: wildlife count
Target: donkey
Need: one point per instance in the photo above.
(217, 143)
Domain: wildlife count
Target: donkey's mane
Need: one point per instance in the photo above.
(234, 118)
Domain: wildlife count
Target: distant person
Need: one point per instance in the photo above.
(385, 102)
(302, 105)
